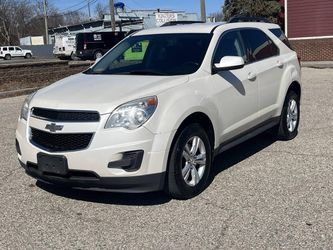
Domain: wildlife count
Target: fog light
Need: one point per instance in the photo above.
(131, 161)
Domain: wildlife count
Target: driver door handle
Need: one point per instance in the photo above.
(252, 76)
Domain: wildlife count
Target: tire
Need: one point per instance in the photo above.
(73, 57)
(289, 120)
(27, 56)
(8, 57)
(98, 54)
(186, 186)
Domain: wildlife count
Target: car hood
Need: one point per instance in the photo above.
(102, 93)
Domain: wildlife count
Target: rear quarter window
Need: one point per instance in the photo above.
(279, 34)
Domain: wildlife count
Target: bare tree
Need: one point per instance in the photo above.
(20, 18)
(101, 10)
(218, 16)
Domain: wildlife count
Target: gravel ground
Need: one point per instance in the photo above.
(265, 195)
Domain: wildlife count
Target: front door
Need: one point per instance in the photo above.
(236, 91)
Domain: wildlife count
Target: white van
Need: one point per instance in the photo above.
(64, 46)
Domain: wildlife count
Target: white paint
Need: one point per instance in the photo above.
(310, 37)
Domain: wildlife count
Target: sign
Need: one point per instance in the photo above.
(164, 17)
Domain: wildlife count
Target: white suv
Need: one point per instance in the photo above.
(155, 110)
(7, 52)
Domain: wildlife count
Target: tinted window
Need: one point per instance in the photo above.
(161, 54)
(279, 34)
(11, 48)
(4, 48)
(259, 46)
(18, 49)
(230, 44)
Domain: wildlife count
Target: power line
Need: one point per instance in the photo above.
(73, 11)
(84, 1)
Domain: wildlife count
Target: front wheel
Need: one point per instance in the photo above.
(289, 121)
(28, 56)
(189, 164)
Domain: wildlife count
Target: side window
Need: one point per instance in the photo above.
(230, 44)
(18, 49)
(258, 44)
(279, 34)
(11, 48)
(4, 48)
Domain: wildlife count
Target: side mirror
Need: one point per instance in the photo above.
(229, 63)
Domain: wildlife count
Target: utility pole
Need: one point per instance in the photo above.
(203, 10)
(89, 10)
(113, 19)
(45, 20)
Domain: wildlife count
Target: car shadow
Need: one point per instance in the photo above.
(240, 152)
(233, 80)
(221, 162)
(105, 197)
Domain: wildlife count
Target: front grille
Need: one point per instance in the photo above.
(60, 142)
(65, 115)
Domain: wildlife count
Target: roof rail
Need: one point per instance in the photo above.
(236, 19)
(173, 23)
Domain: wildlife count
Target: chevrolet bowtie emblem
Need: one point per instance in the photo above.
(54, 127)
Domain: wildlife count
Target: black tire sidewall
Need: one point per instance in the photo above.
(96, 53)
(28, 56)
(175, 177)
(284, 133)
(8, 57)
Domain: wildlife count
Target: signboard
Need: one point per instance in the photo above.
(164, 17)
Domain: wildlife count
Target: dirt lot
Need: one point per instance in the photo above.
(264, 195)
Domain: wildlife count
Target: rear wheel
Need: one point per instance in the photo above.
(289, 121)
(189, 164)
(98, 54)
(8, 57)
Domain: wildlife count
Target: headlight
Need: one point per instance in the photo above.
(133, 114)
(25, 107)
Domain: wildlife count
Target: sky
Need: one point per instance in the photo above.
(187, 5)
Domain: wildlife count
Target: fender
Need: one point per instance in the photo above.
(292, 74)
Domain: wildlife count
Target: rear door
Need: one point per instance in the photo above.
(11, 51)
(265, 56)
(18, 51)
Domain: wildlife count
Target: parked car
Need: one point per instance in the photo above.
(93, 45)
(156, 109)
(7, 52)
(64, 46)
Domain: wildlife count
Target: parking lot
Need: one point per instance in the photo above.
(263, 194)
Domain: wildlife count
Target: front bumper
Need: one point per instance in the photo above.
(90, 180)
(102, 159)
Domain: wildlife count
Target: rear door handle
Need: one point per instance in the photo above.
(251, 76)
(279, 64)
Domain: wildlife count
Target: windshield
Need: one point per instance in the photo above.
(162, 54)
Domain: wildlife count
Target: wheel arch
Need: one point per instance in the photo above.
(203, 120)
(296, 87)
